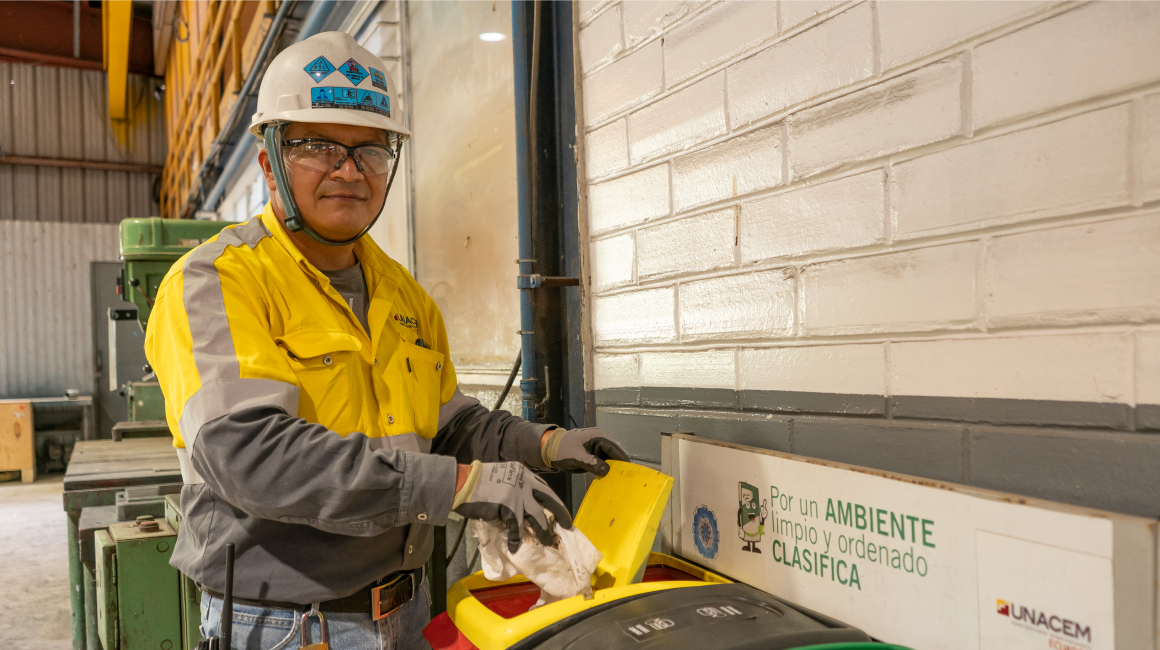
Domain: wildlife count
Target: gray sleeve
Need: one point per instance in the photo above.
(274, 466)
(469, 431)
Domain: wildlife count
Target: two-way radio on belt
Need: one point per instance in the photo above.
(224, 639)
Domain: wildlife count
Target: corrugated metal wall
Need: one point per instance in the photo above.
(45, 319)
(62, 113)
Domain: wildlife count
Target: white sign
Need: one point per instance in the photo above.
(911, 561)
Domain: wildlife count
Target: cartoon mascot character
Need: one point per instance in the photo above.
(750, 517)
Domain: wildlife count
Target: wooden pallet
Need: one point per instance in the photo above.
(17, 443)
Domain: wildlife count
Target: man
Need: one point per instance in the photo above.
(310, 392)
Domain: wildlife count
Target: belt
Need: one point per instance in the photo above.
(379, 599)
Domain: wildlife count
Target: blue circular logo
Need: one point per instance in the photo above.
(705, 532)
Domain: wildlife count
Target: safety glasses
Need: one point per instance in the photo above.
(321, 155)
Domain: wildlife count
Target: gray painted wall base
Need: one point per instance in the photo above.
(1082, 454)
(1121, 417)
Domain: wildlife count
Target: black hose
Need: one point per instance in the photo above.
(511, 379)
(458, 541)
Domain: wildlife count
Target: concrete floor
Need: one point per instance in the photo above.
(34, 567)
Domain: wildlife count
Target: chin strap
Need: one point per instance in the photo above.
(272, 136)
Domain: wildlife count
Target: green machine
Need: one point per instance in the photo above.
(137, 591)
(127, 596)
(149, 247)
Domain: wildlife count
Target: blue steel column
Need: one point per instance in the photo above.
(521, 51)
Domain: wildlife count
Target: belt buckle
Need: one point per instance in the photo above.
(394, 599)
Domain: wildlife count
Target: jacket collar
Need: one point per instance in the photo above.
(381, 272)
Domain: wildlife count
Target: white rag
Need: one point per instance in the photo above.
(560, 571)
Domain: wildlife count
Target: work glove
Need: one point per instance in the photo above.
(511, 493)
(580, 450)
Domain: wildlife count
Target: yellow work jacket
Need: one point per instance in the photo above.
(247, 321)
(303, 439)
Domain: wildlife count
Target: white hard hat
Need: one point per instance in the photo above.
(328, 78)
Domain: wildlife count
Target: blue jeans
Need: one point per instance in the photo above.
(259, 628)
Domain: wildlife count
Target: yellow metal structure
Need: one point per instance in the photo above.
(620, 515)
(213, 49)
(117, 21)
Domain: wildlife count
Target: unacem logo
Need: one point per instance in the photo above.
(407, 321)
(1051, 622)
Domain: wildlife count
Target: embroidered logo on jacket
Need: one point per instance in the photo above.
(407, 321)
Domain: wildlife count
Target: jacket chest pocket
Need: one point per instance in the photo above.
(328, 367)
(425, 373)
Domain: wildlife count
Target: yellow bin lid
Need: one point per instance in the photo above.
(620, 516)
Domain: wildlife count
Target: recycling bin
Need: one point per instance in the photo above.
(641, 600)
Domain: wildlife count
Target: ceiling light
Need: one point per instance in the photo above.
(491, 36)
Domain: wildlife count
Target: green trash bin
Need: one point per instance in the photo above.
(722, 616)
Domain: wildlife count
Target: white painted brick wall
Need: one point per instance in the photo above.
(968, 189)
(719, 33)
(750, 306)
(1071, 166)
(1033, 278)
(589, 8)
(1148, 368)
(913, 29)
(736, 167)
(845, 213)
(612, 261)
(607, 150)
(898, 114)
(616, 370)
(601, 39)
(1150, 144)
(628, 200)
(631, 80)
(1083, 368)
(635, 317)
(700, 243)
(1095, 50)
(679, 120)
(833, 54)
(798, 11)
(706, 369)
(912, 291)
(848, 369)
(645, 18)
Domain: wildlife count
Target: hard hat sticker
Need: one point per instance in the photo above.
(319, 68)
(345, 97)
(379, 79)
(353, 98)
(353, 71)
(322, 97)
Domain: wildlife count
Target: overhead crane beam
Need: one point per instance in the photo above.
(118, 23)
(66, 35)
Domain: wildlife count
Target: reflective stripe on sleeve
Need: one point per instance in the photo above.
(225, 396)
(457, 403)
(222, 388)
(205, 305)
(189, 475)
